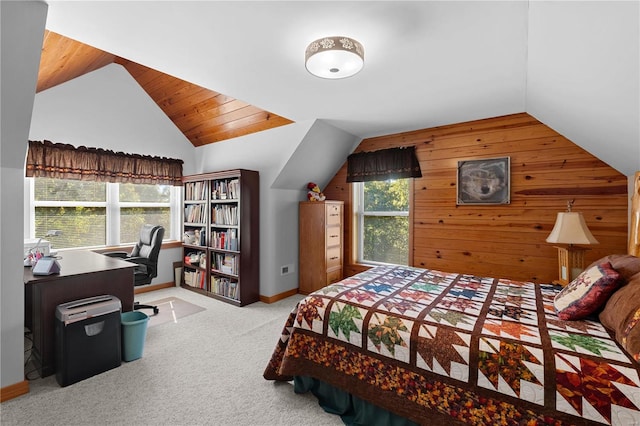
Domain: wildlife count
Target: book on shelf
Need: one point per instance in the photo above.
(225, 189)
(195, 191)
(195, 213)
(233, 240)
(226, 263)
(229, 264)
(218, 239)
(224, 214)
(194, 278)
(225, 240)
(226, 287)
(233, 290)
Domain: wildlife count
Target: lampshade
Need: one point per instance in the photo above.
(334, 57)
(570, 228)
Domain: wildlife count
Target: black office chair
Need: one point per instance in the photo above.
(145, 255)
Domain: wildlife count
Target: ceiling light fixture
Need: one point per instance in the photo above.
(334, 57)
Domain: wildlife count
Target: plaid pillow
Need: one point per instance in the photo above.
(588, 292)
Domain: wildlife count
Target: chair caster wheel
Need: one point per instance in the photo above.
(155, 311)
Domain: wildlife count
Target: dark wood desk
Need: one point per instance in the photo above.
(82, 274)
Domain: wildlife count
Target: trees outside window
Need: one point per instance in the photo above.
(140, 204)
(382, 209)
(81, 226)
(97, 213)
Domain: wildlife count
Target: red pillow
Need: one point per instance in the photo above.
(588, 292)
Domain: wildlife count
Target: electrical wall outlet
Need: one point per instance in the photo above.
(286, 269)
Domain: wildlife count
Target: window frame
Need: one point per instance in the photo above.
(112, 207)
(359, 216)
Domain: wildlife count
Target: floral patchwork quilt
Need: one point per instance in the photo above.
(429, 345)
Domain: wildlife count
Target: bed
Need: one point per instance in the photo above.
(398, 345)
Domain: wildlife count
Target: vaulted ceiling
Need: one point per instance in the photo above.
(202, 115)
(573, 65)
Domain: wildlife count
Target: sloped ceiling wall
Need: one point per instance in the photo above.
(583, 76)
(108, 109)
(318, 157)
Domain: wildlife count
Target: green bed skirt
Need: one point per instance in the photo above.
(353, 410)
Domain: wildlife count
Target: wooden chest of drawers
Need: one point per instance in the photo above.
(321, 252)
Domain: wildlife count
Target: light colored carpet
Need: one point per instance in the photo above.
(205, 369)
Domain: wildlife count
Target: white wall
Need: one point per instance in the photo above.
(583, 67)
(269, 153)
(22, 30)
(108, 109)
(317, 158)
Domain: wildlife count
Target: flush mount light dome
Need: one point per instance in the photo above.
(334, 57)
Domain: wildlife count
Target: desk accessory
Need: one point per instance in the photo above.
(46, 266)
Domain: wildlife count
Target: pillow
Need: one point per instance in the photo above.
(621, 314)
(627, 265)
(588, 292)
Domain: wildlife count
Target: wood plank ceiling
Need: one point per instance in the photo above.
(203, 116)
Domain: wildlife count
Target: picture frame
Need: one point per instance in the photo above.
(484, 181)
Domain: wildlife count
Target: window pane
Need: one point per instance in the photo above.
(387, 196)
(80, 226)
(46, 189)
(132, 219)
(132, 193)
(386, 239)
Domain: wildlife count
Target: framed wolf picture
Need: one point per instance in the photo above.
(484, 181)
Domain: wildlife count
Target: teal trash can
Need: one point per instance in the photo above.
(134, 331)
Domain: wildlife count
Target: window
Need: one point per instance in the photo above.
(382, 211)
(140, 204)
(98, 213)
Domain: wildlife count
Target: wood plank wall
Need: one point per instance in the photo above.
(547, 170)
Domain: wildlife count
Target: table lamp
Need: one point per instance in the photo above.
(570, 229)
(34, 253)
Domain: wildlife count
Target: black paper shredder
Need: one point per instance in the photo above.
(87, 335)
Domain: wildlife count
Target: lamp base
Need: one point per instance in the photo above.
(570, 263)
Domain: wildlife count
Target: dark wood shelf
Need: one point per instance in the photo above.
(247, 230)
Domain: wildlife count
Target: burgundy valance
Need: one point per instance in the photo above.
(392, 163)
(64, 161)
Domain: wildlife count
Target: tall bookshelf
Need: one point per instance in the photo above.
(221, 230)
